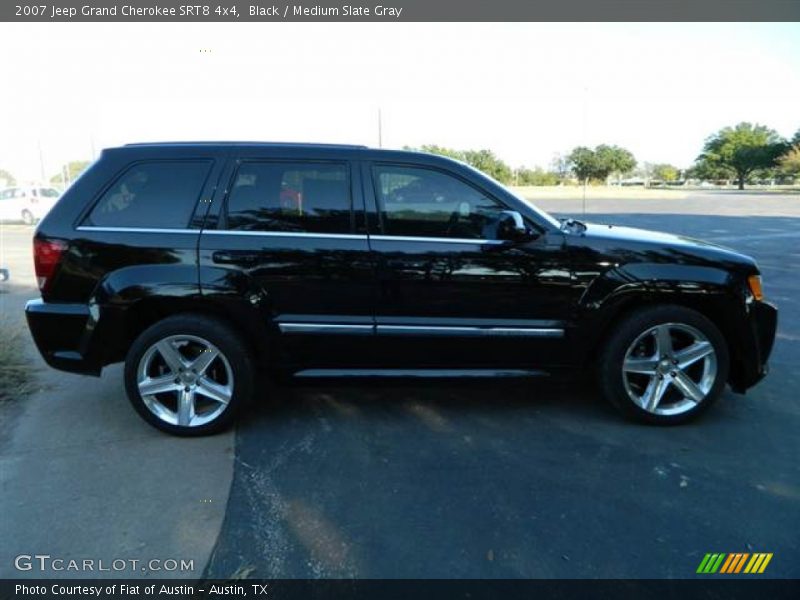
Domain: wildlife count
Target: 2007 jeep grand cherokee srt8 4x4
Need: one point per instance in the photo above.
(203, 264)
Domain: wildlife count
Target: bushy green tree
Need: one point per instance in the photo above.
(583, 163)
(665, 172)
(741, 150)
(483, 160)
(601, 162)
(789, 163)
(536, 176)
(613, 159)
(486, 161)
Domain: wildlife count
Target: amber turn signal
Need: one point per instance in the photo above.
(754, 283)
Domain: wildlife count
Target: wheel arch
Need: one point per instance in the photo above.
(710, 291)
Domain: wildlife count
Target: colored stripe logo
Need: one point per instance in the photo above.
(738, 562)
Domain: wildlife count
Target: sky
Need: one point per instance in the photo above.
(524, 90)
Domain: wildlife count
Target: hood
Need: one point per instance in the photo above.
(668, 244)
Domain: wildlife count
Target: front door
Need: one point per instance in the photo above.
(451, 294)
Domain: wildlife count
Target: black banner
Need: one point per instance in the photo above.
(722, 588)
(401, 10)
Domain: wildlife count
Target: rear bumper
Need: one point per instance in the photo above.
(63, 334)
(757, 339)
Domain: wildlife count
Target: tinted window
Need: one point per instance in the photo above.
(152, 194)
(48, 193)
(302, 197)
(428, 203)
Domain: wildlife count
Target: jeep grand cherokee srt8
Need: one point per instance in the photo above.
(203, 264)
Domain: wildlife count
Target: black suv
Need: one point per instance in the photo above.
(202, 265)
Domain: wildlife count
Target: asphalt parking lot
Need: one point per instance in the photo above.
(432, 480)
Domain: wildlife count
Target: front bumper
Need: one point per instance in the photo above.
(63, 334)
(756, 341)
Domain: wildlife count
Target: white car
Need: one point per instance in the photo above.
(27, 203)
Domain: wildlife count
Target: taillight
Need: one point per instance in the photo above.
(46, 256)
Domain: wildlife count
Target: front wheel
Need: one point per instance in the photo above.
(664, 365)
(188, 375)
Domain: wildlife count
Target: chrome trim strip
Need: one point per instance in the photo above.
(438, 240)
(325, 328)
(300, 234)
(549, 332)
(136, 229)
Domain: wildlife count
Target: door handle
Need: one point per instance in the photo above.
(235, 258)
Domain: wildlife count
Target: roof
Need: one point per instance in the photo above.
(251, 143)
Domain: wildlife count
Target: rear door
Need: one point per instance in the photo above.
(290, 238)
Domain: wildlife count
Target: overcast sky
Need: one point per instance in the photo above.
(524, 90)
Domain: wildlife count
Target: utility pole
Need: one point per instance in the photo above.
(380, 129)
(41, 162)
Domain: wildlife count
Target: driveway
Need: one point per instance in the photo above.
(468, 478)
(82, 477)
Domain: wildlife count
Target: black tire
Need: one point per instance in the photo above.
(234, 361)
(613, 381)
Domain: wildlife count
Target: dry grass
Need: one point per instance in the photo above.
(15, 369)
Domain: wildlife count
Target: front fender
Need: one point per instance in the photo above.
(712, 291)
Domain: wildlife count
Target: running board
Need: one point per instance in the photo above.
(419, 373)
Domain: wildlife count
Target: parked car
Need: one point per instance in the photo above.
(200, 265)
(29, 203)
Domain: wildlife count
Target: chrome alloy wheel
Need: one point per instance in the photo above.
(185, 380)
(669, 369)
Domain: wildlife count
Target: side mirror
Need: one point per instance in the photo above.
(511, 227)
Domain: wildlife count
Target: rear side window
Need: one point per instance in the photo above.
(159, 194)
(291, 197)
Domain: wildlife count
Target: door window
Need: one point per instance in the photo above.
(423, 202)
(290, 197)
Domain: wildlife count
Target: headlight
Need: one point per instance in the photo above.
(754, 283)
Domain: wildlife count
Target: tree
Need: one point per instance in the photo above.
(7, 177)
(536, 176)
(613, 159)
(742, 149)
(486, 161)
(583, 162)
(600, 162)
(70, 172)
(560, 166)
(789, 163)
(665, 172)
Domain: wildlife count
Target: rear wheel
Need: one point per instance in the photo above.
(27, 217)
(664, 365)
(188, 375)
